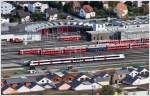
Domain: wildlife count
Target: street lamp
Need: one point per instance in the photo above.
(93, 88)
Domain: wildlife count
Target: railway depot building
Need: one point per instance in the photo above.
(119, 30)
(102, 35)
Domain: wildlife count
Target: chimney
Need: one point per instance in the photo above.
(27, 84)
(14, 85)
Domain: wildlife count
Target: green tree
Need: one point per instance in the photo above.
(107, 90)
(61, 16)
(96, 4)
(38, 16)
(129, 3)
(112, 5)
(145, 8)
(119, 91)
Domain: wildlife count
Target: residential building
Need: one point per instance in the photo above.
(142, 70)
(83, 76)
(87, 12)
(5, 19)
(51, 14)
(102, 78)
(68, 77)
(76, 6)
(37, 7)
(49, 86)
(24, 16)
(35, 87)
(22, 88)
(85, 85)
(8, 90)
(119, 75)
(23, 36)
(133, 73)
(138, 80)
(61, 86)
(43, 80)
(136, 91)
(6, 8)
(54, 78)
(105, 4)
(17, 81)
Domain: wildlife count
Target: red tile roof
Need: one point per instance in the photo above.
(87, 8)
(121, 6)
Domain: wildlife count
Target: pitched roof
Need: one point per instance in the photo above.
(75, 83)
(70, 74)
(102, 74)
(87, 8)
(32, 85)
(120, 71)
(139, 69)
(19, 86)
(51, 11)
(40, 78)
(22, 13)
(51, 75)
(5, 16)
(4, 88)
(60, 84)
(50, 84)
(60, 74)
(129, 79)
(128, 68)
(82, 73)
(32, 2)
(99, 79)
(18, 80)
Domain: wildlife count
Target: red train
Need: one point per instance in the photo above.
(29, 51)
(144, 40)
(85, 48)
(117, 47)
(145, 45)
(69, 38)
(53, 51)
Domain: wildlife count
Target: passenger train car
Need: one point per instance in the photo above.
(69, 38)
(76, 60)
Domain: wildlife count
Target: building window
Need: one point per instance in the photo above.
(120, 75)
(116, 81)
(42, 80)
(70, 78)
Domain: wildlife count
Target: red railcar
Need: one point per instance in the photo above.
(145, 45)
(70, 38)
(74, 50)
(146, 40)
(121, 41)
(45, 32)
(30, 51)
(51, 52)
(118, 47)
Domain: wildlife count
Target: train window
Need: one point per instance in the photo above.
(113, 56)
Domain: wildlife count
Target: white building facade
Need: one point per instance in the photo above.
(86, 15)
(6, 8)
(37, 7)
(4, 20)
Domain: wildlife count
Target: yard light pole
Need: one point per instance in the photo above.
(93, 88)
